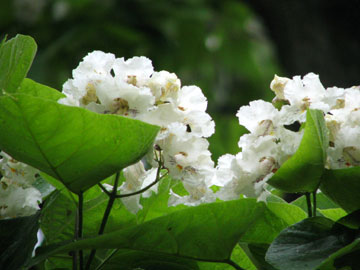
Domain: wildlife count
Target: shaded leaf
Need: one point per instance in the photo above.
(302, 172)
(17, 240)
(307, 244)
(342, 186)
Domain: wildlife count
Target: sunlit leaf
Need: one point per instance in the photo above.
(16, 56)
(76, 146)
(302, 172)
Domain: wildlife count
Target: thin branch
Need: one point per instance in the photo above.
(104, 189)
(141, 190)
(106, 259)
(308, 202)
(80, 228)
(234, 264)
(157, 179)
(314, 203)
(112, 198)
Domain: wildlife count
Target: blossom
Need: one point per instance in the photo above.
(131, 88)
(17, 196)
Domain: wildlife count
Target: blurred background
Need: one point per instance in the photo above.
(229, 48)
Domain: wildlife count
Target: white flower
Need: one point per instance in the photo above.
(277, 85)
(15, 172)
(258, 117)
(137, 178)
(16, 201)
(305, 93)
(165, 87)
(135, 71)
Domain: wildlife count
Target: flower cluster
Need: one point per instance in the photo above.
(131, 88)
(17, 196)
(271, 141)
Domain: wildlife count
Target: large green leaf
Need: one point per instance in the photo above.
(302, 172)
(74, 145)
(342, 186)
(16, 56)
(305, 245)
(207, 232)
(130, 259)
(17, 240)
(58, 218)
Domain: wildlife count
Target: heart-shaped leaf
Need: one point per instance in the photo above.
(183, 233)
(16, 56)
(74, 145)
(302, 172)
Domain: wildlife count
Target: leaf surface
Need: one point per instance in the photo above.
(16, 56)
(307, 244)
(76, 146)
(342, 186)
(17, 240)
(302, 172)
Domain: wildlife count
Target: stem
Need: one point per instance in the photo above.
(112, 198)
(234, 264)
(80, 228)
(308, 201)
(106, 259)
(104, 189)
(140, 190)
(78, 233)
(74, 260)
(314, 203)
(157, 179)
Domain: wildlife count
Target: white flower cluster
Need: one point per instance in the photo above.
(270, 141)
(131, 88)
(17, 196)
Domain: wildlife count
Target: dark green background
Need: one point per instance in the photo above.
(231, 49)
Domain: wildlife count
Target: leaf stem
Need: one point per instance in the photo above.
(314, 203)
(157, 179)
(80, 228)
(141, 190)
(308, 202)
(106, 259)
(112, 198)
(234, 264)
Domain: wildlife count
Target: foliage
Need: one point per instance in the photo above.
(81, 154)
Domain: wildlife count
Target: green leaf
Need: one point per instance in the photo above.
(197, 232)
(16, 56)
(35, 89)
(342, 186)
(322, 203)
(302, 172)
(58, 218)
(76, 146)
(333, 213)
(157, 204)
(351, 220)
(307, 244)
(18, 238)
(256, 252)
(129, 259)
(238, 256)
(345, 258)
